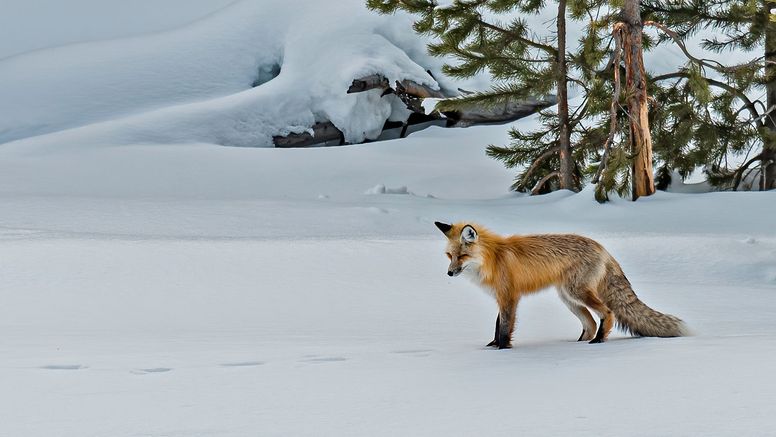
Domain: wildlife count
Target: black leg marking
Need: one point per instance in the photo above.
(582, 335)
(599, 336)
(504, 338)
(495, 336)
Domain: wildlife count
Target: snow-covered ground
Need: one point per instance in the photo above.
(199, 290)
(191, 289)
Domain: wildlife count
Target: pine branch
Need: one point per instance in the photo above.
(499, 95)
(756, 117)
(549, 49)
(710, 63)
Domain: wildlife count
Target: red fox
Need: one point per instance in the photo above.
(584, 273)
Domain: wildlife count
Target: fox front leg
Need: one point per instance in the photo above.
(495, 336)
(506, 325)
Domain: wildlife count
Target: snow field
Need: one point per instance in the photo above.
(247, 336)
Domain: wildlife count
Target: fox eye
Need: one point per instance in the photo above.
(463, 256)
(449, 255)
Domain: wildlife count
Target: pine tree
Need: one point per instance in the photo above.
(707, 113)
(569, 147)
(525, 65)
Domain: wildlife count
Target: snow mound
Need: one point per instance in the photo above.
(238, 77)
(382, 189)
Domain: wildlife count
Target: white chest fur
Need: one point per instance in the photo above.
(472, 272)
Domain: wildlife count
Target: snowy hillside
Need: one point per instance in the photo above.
(31, 25)
(156, 283)
(213, 80)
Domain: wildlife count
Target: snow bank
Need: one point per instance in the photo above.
(382, 189)
(194, 84)
(31, 25)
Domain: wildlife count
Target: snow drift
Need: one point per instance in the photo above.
(213, 81)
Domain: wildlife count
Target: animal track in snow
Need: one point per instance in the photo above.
(64, 367)
(151, 370)
(243, 364)
(316, 359)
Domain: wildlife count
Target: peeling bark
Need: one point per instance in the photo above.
(643, 179)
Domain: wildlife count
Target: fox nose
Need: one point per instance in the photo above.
(449, 273)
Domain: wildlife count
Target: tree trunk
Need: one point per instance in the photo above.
(564, 137)
(768, 180)
(643, 180)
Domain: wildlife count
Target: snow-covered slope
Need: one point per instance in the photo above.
(27, 25)
(194, 84)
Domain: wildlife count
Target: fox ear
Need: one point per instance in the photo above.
(444, 227)
(468, 234)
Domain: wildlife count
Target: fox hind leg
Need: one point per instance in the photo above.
(606, 315)
(582, 313)
(588, 323)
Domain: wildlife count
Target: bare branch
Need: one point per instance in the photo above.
(740, 172)
(535, 165)
(756, 116)
(543, 181)
(710, 63)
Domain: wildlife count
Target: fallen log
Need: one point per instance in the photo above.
(504, 113)
(367, 83)
(378, 81)
(412, 94)
(417, 90)
(324, 134)
(395, 129)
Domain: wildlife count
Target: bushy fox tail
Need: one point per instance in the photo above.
(635, 316)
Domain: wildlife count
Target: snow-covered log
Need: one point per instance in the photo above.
(410, 92)
(378, 81)
(474, 114)
(373, 81)
(415, 89)
(324, 134)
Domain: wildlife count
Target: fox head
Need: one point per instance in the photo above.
(462, 247)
